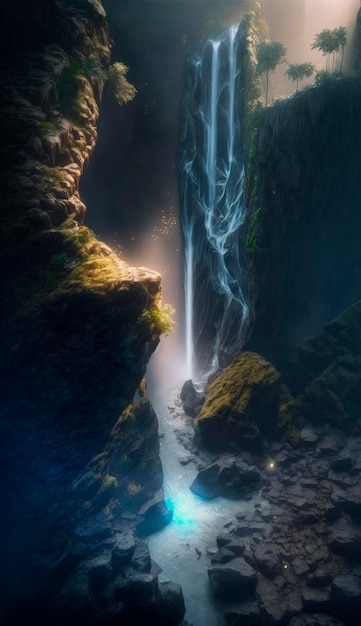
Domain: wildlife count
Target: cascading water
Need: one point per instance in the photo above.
(211, 176)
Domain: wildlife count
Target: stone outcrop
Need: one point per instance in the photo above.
(76, 341)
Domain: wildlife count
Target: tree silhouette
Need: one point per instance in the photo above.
(298, 71)
(329, 42)
(341, 35)
(269, 55)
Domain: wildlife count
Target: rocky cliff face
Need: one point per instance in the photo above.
(75, 340)
(304, 222)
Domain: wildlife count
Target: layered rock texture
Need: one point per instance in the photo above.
(75, 340)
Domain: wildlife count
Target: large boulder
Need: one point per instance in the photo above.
(246, 405)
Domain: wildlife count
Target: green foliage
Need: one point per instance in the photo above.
(299, 71)
(158, 319)
(325, 78)
(70, 81)
(69, 90)
(329, 42)
(121, 89)
(269, 55)
(252, 243)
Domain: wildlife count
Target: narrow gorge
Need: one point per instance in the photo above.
(198, 466)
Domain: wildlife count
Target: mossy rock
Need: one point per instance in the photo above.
(247, 405)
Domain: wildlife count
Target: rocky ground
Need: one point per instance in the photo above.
(297, 558)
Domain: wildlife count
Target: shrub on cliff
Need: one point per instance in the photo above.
(122, 90)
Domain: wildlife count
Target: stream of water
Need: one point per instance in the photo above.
(183, 548)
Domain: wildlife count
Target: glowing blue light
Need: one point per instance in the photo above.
(183, 511)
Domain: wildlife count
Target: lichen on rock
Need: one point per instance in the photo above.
(245, 405)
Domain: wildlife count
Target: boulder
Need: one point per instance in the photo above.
(245, 404)
(192, 400)
(234, 581)
(170, 604)
(230, 478)
(267, 560)
(346, 593)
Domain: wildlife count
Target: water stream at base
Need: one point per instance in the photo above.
(180, 549)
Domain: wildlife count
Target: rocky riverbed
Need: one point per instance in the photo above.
(295, 559)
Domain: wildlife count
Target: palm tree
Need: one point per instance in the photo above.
(342, 41)
(269, 55)
(329, 42)
(298, 71)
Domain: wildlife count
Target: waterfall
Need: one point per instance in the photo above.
(211, 181)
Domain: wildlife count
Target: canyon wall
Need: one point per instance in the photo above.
(78, 326)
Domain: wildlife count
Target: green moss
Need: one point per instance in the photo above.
(158, 319)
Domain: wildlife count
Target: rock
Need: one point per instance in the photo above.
(346, 540)
(267, 560)
(191, 399)
(320, 578)
(309, 436)
(228, 478)
(123, 551)
(316, 600)
(136, 589)
(185, 459)
(250, 528)
(206, 484)
(274, 603)
(224, 555)
(234, 581)
(350, 502)
(329, 445)
(98, 526)
(243, 404)
(141, 558)
(245, 614)
(346, 593)
(170, 604)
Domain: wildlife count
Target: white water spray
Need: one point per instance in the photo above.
(212, 197)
